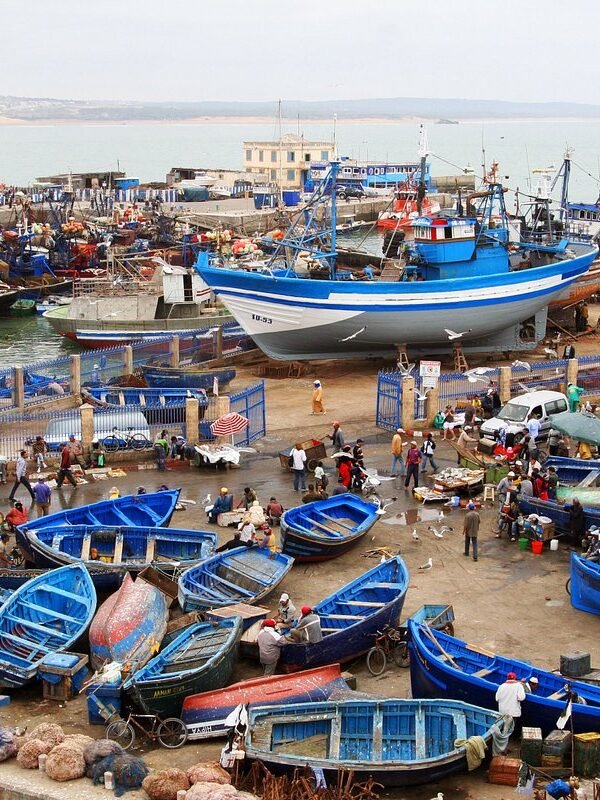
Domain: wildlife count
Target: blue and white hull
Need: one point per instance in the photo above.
(307, 319)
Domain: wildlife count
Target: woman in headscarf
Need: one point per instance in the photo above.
(317, 398)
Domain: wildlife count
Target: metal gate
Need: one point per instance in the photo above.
(389, 400)
(250, 403)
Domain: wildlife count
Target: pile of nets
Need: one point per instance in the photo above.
(165, 783)
(8, 744)
(65, 762)
(128, 771)
(209, 772)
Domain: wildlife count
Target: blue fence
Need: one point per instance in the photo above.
(250, 403)
(389, 400)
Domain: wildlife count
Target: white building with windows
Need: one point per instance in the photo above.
(287, 163)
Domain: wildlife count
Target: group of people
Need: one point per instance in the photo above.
(417, 458)
(256, 525)
(286, 627)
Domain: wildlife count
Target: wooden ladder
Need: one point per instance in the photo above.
(460, 361)
(402, 356)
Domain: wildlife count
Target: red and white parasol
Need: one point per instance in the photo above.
(229, 424)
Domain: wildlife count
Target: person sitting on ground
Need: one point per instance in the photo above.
(247, 530)
(264, 538)
(222, 505)
(231, 544)
(274, 511)
(311, 495)
(5, 560)
(97, 455)
(248, 498)
(257, 514)
(177, 448)
(308, 628)
(16, 516)
(286, 612)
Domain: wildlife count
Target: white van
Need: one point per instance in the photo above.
(514, 415)
(59, 430)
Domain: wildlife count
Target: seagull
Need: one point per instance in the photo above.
(353, 335)
(550, 352)
(454, 335)
(557, 371)
(436, 533)
(524, 364)
(381, 507)
(428, 565)
(206, 500)
(479, 370)
(405, 370)
(476, 379)
(421, 395)
(440, 533)
(439, 795)
(522, 386)
(441, 516)
(415, 535)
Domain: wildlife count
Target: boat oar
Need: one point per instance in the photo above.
(447, 656)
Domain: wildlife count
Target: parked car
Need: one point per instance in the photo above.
(513, 416)
(343, 191)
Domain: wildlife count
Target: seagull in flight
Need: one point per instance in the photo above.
(382, 506)
(522, 386)
(353, 335)
(477, 378)
(454, 335)
(523, 364)
(405, 371)
(436, 533)
(550, 352)
(421, 395)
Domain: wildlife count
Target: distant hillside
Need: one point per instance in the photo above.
(34, 108)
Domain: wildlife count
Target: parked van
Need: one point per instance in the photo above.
(59, 430)
(514, 415)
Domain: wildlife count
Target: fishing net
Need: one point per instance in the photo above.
(212, 791)
(8, 746)
(209, 772)
(128, 772)
(28, 755)
(79, 740)
(99, 749)
(65, 762)
(164, 784)
(46, 732)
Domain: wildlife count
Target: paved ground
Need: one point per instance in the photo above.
(510, 602)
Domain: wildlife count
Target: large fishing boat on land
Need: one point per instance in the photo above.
(461, 280)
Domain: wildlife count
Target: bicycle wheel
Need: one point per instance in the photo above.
(376, 661)
(568, 586)
(172, 733)
(401, 655)
(138, 442)
(121, 732)
(111, 443)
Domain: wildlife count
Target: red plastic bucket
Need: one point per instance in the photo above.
(536, 547)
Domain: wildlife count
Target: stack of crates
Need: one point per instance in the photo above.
(62, 675)
(531, 746)
(587, 754)
(504, 770)
(555, 747)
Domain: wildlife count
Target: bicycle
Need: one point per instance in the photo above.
(170, 733)
(121, 440)
(390, 642)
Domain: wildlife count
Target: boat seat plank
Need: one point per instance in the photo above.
(481, 673)
(589, 479)
(331, 630)
(118, 552)
(338, 522)
(64, 593)
(366, 603)
(324, 527)
(86, 546)
(35, 627)
(341, 616)
(420, 738)
(382, 585)
(233, 586)
(50, 612)
(150, 549)
(28, 643)
(560, 695)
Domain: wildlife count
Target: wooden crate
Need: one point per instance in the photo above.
(504, 770)
(531, 746)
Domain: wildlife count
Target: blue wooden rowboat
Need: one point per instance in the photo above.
(326, 528)
(585, 584)
(154, 509)
(243, 575)
(572, 471)
(47, 614)
(129, 625)
(557, 512)
(114, 550)
(186, 377)
(200, 659)
(352, 616)
(205, 714)
(443, 666)
(396, 742)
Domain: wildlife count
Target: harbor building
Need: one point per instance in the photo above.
(286, 161)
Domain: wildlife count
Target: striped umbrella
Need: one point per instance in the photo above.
(229, 424)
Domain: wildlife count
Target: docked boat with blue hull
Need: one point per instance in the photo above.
(351, 617)
(394, 742)
(242, 575)
(152, 509)
(572, 471)
(187, 377)
(585, 584)
(459, 276)
(47, 614)
(114, 550)
(200, 659)
(326, 528)
(559, 513)
(444, 666)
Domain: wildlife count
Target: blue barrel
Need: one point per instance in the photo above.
(264, 200)
(291, 198)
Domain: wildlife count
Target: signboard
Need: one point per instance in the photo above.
(430, 369)
(429, 381)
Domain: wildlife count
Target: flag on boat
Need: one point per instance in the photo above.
(228, 424)
(566, 713)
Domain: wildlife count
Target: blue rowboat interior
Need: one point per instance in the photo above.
(45, 615)
(572, 471)
(326, 528)
(154, 509)
(585, 584)
(398, 742)
(557, 512)
(444, 665)
(352, 616)
(104, 545)
(243, 575)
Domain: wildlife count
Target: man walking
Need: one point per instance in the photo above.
(65, 468)
(298, 463)
(337, 437)
(21, 476)
(42, 493)
(75, 449)
(413, 459)
(471, 529)
(397, 460)
(428, 450)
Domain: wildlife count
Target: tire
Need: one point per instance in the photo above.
(121, 732)
(111, 444)
(401, 655)
(312, 464)
(568, 586)
(172, 733)
(138, 442)
(376, 661)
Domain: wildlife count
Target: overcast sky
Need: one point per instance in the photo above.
(528, 50)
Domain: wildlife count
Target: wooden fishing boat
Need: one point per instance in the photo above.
(585, 584)
(441, 665)
(22, 307)
(326, 528)
(351, 616)
(47, 614)
(198, 660)
(395, 742)
(557, 512)
(155, 508)
(129, 625)
(205, 714)
(572, 470)
(192, 377)
(114, 550)
(243, 575)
